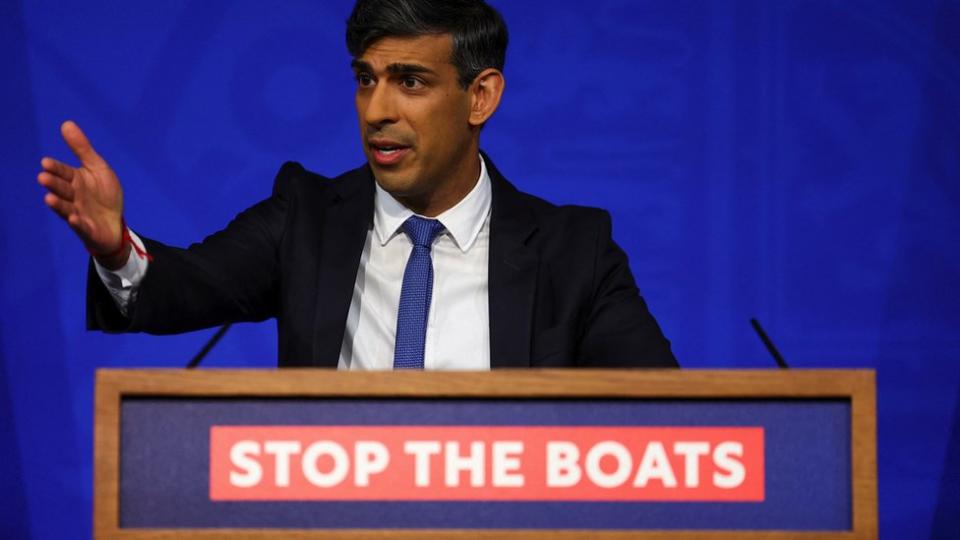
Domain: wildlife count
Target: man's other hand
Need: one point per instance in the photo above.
(89, 198)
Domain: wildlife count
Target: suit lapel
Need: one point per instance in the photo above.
(342, 234)
(512, 277)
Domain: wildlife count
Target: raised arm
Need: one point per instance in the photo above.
(89, 198)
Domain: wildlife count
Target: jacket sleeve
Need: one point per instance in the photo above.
(231, 276)
(619, 330)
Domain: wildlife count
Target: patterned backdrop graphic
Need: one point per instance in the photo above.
(797, 161)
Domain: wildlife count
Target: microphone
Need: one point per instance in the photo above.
(769, 344)
(211, 343)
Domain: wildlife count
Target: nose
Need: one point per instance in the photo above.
(379, 108)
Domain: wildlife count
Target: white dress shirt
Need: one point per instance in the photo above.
(458, 329)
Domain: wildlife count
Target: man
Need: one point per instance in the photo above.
(424, 258)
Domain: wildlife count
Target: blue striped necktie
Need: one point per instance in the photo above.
(415, 294)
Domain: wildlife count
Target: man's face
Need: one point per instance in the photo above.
(414, 116)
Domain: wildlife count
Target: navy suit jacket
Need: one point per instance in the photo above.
(561, 291)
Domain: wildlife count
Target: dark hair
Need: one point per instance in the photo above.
(478, 30)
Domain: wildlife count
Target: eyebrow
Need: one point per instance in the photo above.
(393, 69)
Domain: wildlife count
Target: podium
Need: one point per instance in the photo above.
(531, 454)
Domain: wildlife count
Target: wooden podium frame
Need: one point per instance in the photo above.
(858, 386)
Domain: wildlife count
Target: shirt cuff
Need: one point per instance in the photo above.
(123, 282)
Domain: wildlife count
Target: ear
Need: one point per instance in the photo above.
(485, 94)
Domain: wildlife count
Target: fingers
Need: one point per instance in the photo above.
(56, 185)
(80, 145)
(57, 168)
(68, 213)
(61, 207)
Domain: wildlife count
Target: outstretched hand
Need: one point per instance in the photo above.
(89, 197)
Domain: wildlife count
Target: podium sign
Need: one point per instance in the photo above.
(503, 454)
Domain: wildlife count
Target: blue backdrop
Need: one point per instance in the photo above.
(798, 161)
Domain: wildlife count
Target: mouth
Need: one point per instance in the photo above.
(387, 152)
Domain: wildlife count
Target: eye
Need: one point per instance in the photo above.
(411, 83)
(364, 79)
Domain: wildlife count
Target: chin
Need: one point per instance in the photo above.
(394, 182)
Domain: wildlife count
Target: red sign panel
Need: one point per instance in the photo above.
(469, 463)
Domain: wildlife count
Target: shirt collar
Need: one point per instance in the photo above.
(462, 222)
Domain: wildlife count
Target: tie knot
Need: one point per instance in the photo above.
(422, 231)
